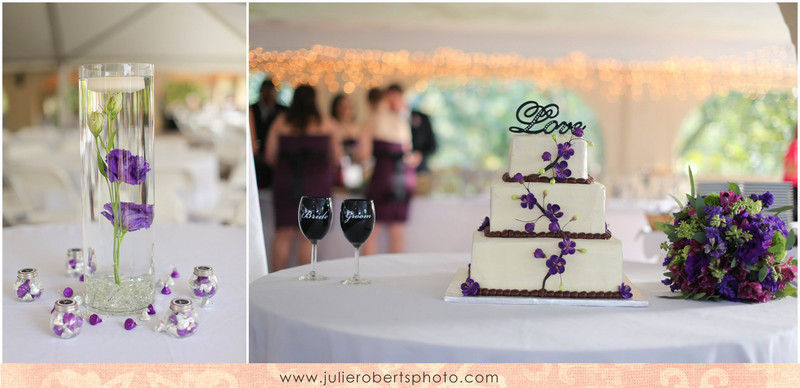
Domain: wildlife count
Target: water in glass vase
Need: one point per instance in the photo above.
(116, 111)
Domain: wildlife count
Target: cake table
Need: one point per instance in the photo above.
(402, 317)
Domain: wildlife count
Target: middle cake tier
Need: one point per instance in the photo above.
(585, 201)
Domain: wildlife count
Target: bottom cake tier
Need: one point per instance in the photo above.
(506, 264)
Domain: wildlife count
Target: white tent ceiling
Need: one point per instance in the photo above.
(620, 31)
(178, 36)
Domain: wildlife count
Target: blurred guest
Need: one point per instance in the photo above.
(790, 169)
(262, 115)
(304, 148)
(422, 138)
(344, 114)
(387, 137)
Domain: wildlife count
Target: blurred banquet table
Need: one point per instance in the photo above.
(401, 317)
(220, 338)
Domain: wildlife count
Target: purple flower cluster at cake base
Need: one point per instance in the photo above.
(470, 287)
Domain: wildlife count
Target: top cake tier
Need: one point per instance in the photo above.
(525, 154)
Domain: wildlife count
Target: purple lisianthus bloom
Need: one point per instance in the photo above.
(125, 167)
(715, 245)
(151, 310)
(565, 150)
(538, 253)
(484, 224)
(546, 156)
(24, 288)
(556, 265)
(553, 212)
(130, 324)
(577, 131)
(567, 247)
(625, 291)
(562, 170)
(528, 201)
(94, 319)
(530, 227)
(519, 178)
(134, 216)
(470, 288)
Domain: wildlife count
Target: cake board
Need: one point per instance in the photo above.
(453, 295)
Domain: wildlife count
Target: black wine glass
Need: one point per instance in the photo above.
(314, 216)
(357, 218)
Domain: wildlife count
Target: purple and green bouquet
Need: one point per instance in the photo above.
(723, 246)
(119, 166)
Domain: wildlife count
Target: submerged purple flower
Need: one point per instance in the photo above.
(567, 246)
(24, 288)
(556, 265)
(94, 319)
(518, 178)
(484, 224)
(528, 201)
(565, 150)
(562, 170)
(546, 156)
(130, 324)
(470, 288)
(125, 167)
(538, 253)
(151, 310)
(625, 291)
(134, 216)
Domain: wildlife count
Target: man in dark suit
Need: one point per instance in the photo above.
(422, 136)
(262, 114)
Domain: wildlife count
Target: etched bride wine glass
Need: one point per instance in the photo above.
(314, 216)
(357, 218)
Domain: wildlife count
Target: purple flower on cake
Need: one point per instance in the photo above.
(484, 224)
(470, 288)
(519, 178)
(528, 200)
(562, 170)
(134, 216)
(546, 156)
(577, 131)
(530, 227)
(565, 150)
(567, 247)
(556, 265)
(625, 291)
(125, 167)
(538, 253)
(553, 212)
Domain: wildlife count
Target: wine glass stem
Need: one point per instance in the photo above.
(313, 259)
(356, 276)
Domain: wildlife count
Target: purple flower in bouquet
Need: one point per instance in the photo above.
(538, 253)
(715, 245)
(567, 247)
(565, 150)
(728, 198)
(125, 167)
(769, 285)
(577, 131)
(695, 262)
(553, 212)
(751, 250)
(470, 288)
(546, 156)
(562, 170)
(728, 286)
(556, 265)
(72, 321)
(484, 224)
(767, 199)
(750, 291)
(528, 200)
(625, 291)
(134, 216)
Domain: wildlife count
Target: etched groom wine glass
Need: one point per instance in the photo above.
(314, 216)
(357, 218)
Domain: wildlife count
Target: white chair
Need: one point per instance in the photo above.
(45, 193)
(259, 262)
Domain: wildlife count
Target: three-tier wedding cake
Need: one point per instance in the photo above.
(546, 235)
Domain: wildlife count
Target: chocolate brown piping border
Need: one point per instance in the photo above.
(508, 233)
(551, 294)
(544, 179)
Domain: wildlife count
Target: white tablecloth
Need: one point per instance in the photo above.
(401, 317)
(220, 337)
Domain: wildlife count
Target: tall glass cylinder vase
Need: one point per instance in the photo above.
(116, 118)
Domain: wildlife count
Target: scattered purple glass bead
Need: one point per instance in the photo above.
(151, 310)
(166, 290)
(130, 324)
(94, 319)
(68, 292)
(174, 273)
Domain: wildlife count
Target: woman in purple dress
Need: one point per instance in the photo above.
(387, 137)
(304, 150)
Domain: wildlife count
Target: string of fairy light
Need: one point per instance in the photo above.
(347, 69)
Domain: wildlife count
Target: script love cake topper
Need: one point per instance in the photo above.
(531, 114)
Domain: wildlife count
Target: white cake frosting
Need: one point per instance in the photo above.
(508, 264)
(525, 154)
(587, 201)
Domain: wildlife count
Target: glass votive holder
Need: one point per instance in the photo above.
(28, 287)
(75, 263)
(203, 284)
(66, 319)
(181, 319)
